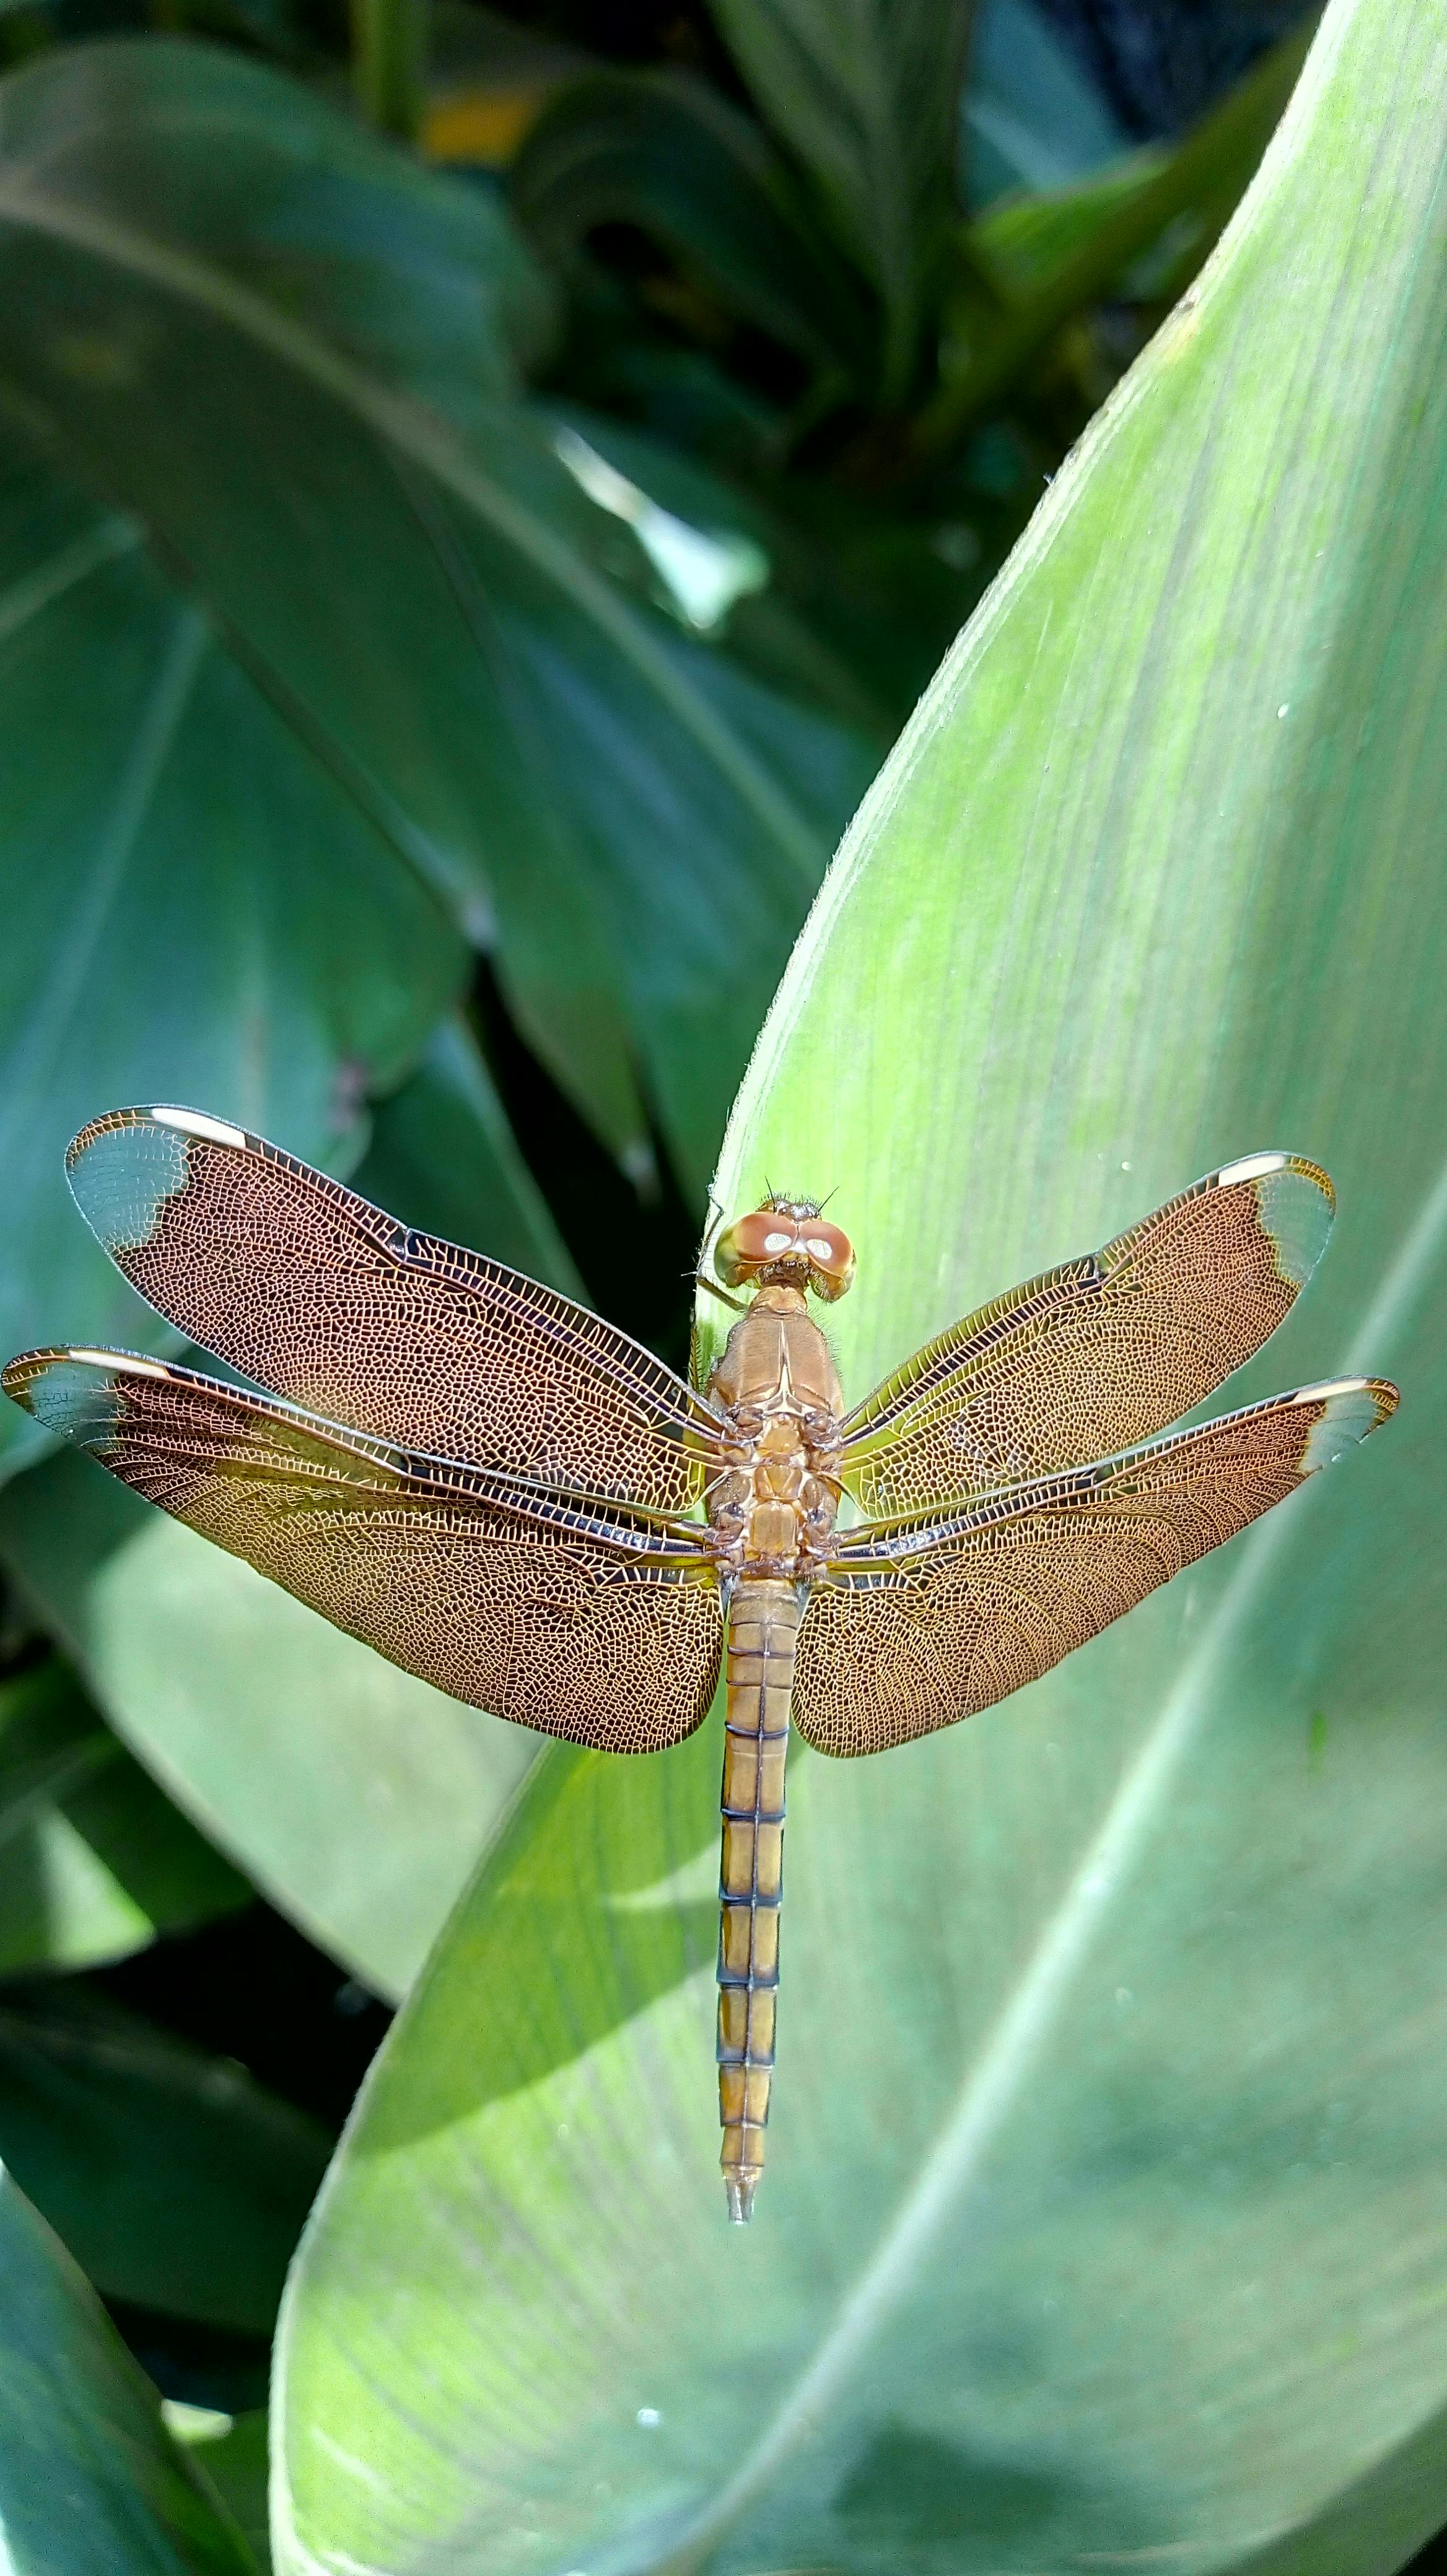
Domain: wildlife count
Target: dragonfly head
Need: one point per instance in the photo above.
(785, 1243)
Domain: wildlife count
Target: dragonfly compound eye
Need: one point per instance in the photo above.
(751, 1244)
(831, 1259)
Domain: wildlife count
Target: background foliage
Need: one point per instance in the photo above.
(479, 495)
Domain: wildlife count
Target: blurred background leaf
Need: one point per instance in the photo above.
(1102, 2218)
(95, 1859)
(467, 637)
(867, 97)
(172, 851)
(177, 2182)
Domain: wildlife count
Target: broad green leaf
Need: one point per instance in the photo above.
(354, 1797)
(1102, 2225)
(177, 2181)
(868, 98)
(470, 640)
(673, 157)
(91, 2484)
(726, 563)
(443, 1157)
(192, 909)
(94, 1861)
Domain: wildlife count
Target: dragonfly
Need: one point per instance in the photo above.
(503, 1493)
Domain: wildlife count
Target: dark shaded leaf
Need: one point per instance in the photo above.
(91, 2483)
(672, 157)
(176, 2180)
(868, 97)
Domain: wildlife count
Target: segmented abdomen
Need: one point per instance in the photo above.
(763, 1626)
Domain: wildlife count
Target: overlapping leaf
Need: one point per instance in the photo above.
(91, 2483)
(94, 1861)
(394, 545)
(193, 909)
(869, 98)
(178, 2182)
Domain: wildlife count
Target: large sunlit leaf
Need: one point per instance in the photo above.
(471, 640)
(94, 1860)
(868, 96)
(192, 908)
(177, 2181)
(1102, 2224)
(91, 2483)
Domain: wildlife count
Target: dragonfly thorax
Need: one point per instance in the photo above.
(772, 1504)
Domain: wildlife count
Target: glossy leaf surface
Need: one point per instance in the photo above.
(91, 2484)
(471, 641)
(177, 2181)
(194, 910)
(1102, 2218)
(94, 1860)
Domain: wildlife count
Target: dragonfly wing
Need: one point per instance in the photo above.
(1105, 1351)
(307, 1289)
(920, 1624)
(584, 1623)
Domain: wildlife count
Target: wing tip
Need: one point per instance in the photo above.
(1264, 1166)
(1352, 1408)
(23, 1376)
(180, 1122)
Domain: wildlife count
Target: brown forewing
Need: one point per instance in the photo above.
(324, 1299)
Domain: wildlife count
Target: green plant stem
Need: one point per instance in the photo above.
(1238, 128)
(389, 62)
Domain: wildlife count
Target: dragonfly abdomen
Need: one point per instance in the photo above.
(763, 1626)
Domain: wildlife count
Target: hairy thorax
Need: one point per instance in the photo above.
(772, 1507)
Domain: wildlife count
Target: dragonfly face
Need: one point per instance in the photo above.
(786, 1242)
(500, 1492)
